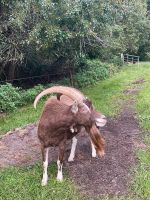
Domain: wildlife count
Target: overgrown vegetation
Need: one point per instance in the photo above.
(90, 72)
(13, 97)
(51, 37)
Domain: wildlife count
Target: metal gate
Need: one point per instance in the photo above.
(126, 58)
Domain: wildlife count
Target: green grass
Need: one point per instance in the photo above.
(24, 184)
(143, 106)
(107, 95)
(141, 182)
(20, 117)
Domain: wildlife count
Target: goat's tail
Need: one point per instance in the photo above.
(97, 140)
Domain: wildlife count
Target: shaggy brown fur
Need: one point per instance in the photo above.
(58, 117)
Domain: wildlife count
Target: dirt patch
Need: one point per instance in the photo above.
(131, 91)
(134, 87)
(139, 81)
(94, 177)
(109, 175)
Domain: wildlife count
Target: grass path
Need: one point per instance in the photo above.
(107, 95)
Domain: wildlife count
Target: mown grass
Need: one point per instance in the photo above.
(24, 184)
(141, 182)
(107, 95)
(20, 117)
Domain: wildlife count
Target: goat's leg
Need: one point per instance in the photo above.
(60, 160)
(93, 150)
(45, 165)
(73, 148)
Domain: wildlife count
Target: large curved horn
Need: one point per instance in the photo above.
(70, 92)
(76, 92)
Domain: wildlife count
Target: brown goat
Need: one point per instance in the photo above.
(100, 121)
(56, 120)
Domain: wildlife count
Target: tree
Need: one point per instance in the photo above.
(57, 34)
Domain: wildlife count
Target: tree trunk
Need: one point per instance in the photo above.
(71, 77)
(11, 72)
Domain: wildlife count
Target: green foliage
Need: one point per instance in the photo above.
(116, 60)
(92, 72)
(147, 56)
(65, 82)
(88, 73)
(49, 32)
(10, 97)
(29, 95)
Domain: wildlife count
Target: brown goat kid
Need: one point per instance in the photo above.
(56, 120)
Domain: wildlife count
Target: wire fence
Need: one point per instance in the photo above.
(39, 79)
(30, 77)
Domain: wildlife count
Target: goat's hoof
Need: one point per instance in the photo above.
(94, 155)
(44, 183)
(70, 159)
(59, 178)
(101, 153)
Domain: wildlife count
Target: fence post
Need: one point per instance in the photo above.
(122, 58)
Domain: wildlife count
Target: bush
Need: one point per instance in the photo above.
(94, 71)
(10, 97)
(116, 60)
(90, 72)
(29, 95)
(65, 82)
(147, 56)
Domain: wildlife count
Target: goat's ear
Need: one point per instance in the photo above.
(74, 107)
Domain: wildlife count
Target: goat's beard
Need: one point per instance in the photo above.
(97, 140)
